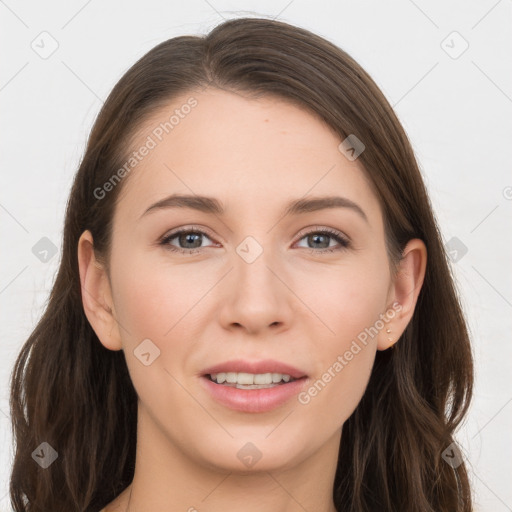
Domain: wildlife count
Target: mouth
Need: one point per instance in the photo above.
(253, 386)
(244, 380)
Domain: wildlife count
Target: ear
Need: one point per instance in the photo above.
(403, 293)
(97, 294)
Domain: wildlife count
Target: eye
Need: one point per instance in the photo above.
(319, 239)
(192, 240)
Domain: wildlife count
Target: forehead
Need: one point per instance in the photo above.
(249, 153)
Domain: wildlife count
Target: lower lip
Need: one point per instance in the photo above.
(253, 400)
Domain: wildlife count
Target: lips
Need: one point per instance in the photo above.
(253, 398)
(255, 367)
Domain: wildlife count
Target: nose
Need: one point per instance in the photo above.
(256, 296)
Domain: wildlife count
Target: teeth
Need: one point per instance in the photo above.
(231, 377)
(244, 378)
(249, 378)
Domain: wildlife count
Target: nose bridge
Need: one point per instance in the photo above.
(257, 298)
(253, 262)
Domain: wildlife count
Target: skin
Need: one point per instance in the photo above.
(291, 304)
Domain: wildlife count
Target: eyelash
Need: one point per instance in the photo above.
(336, 235)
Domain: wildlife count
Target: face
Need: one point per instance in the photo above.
(247, 287)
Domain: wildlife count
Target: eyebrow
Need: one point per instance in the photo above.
(213, 206)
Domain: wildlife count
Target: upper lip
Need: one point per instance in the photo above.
(263, 366)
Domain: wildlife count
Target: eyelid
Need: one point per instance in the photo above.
(185, 229)
(334, 233)
(314, 229)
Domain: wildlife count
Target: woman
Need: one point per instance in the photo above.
(244, 317)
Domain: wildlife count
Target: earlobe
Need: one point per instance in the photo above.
(96, 294)
(404, 292)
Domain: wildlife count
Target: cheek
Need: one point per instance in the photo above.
(156, 302)
(349, 303)
(164, 303)
(345, 299)
(153, 297)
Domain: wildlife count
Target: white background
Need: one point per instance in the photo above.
(456, 111)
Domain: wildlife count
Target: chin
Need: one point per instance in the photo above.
(248, 455)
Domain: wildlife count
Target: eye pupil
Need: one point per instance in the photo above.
(317, 236)
(188, 237)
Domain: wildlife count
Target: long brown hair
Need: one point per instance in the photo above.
(71, 392)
